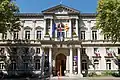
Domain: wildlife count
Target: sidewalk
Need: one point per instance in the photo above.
(87, 78)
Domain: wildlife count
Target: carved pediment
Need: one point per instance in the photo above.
(60, 9)
(39, 27)
(83, 28)
(27, 27)
(93, 28)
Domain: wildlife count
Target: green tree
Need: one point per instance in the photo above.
(8, 22)
(108, 20)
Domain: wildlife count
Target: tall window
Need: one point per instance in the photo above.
(27, 34)
(108, 64)
(84, 65)
(96, 52)
(83, 50)
(94, 35)
(2, 51)
(47, 24)
(15, 35)
(13, 65)
(60, 31)
(26, 50)
(38, 50)
(25, 65)
(118, 50)
(83, 35)
(1, 65)
(37, 64)
(4, 36)
(14, 50)
(106, 37)
(96, 64)
(38, 35)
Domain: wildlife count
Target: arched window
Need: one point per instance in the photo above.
(108, 64)
(84, 65)
(37, 64)
(96, 64)
(13, 65)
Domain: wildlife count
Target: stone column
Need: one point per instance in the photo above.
(44, 27)
(70, 29)
(50, 60)
(79, 62)
(71, 61)
(22, 30)
(34, 25)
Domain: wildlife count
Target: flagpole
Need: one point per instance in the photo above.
(61, 2)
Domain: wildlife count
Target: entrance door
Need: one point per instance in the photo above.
(61, 64)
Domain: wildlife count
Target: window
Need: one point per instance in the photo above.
(60, 31)
(1, 65)
(38, 50)
(26, 50)
(106, 37)
(108, 64)
(118, 50)
(83, 50)
(83, 35)
(27, 34)
(2, 50)
(47, 24)
(13, 65)
(15, 35)
(96, 52)
(4, 36)
(94, 35)
(37, 64)
(108, 52)
(96, 64)
(84, 65)
(25, 65)
(14, 50)
(38, 35)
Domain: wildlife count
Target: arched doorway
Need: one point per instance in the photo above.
(61, 64)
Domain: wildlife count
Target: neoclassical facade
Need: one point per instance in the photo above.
(66, 36)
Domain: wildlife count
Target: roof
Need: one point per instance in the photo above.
(41, 15)
(55, 9)
(28, 15)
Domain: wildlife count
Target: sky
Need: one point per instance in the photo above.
(36, 6)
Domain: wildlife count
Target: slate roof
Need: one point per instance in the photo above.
(49, 10)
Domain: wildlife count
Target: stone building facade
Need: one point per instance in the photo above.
(66, 36)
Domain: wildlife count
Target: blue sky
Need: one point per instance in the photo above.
(36, 6)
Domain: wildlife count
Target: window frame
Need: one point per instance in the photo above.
(27, 34)
(94, 35)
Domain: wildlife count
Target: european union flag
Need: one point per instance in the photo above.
(53, 29)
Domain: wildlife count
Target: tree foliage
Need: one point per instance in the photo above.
(108, 18)
(8, 22)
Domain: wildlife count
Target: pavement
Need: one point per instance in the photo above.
(85, 78)
(70, 78)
